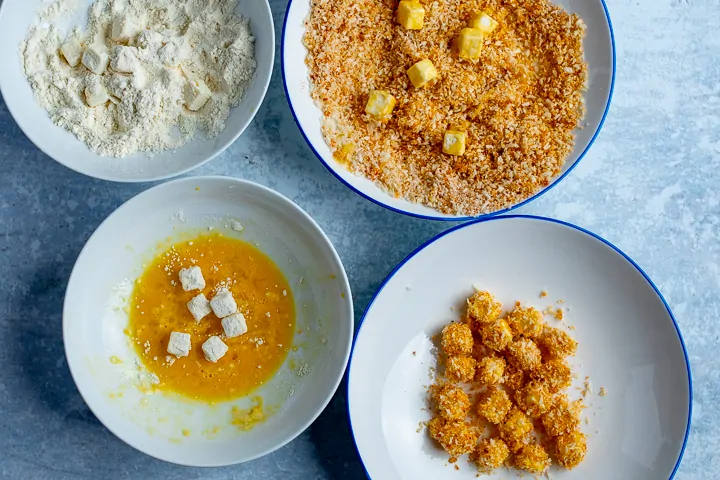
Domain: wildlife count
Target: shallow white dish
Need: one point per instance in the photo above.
(93, 320)
(15, 18)
(628, 343)
(599, 53)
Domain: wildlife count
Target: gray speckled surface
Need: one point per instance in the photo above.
(649, 185)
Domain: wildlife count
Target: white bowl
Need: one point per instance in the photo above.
(93, 320)
(629, 343)
(599, 53)
(15, 18)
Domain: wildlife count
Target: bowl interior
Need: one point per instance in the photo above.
(599, 53)
(93, 321)
(15, 18)
(628, 344)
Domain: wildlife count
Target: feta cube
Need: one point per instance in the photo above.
(149, 39)
(470, 43)
(96, 94)
(422, 72)
(96, 59)
(214, 349)
(179, 344)
(410, 14)
(199, 307)
(454, 142)
(234, 325)
(380, 104)
(124, 59)
(171, 54)
(124, 28)
(483, 22)
(196, 94)
(223, 304)
(191, 278)
(72, 51)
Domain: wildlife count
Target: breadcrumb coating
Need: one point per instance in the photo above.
(494, 405)
(457, 339)
(497, 335)
(515, 429)
(571, 449)
(534, 399)
(460, 368)
(562, 418)
(490, 453)
(490, 370)
(558, 343)
(524, 354)
(555, 374)
(452, 402)
(514, 377)
(483, 308)
(532, 458)
(527, 322)
(455, 437)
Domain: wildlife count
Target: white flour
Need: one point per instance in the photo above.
(157, 51)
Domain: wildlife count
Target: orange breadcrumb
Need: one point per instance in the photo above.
(555, 374)
(515, 430)
(452, 402)
(514, 377)
(534, 399)
(490, 454)
(525, 354)
(455, 437)
(563, 418)
(496, 335)
(494, 405)
(558, 343)
(532, 458)
(483, 308)
(571, 449)
(490, 370)
(526, 321)
(457, 339)
(460, 368)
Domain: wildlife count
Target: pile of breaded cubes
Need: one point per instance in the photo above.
(506, 375)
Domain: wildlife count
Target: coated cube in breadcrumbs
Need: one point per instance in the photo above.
(199, 307)
(524, 354)
(532, 458)
(451, 402)
(234, 325)
(214, 349)
(454, 436)
(223, 304)
(490, 454)
(179, 344)
(460, 368)
(534, 399)
(555, 374)
(191, 278)
(470, 43)
(483, 308)
(515, 429)
(457, 339)
(558, 343)
(562, 418)
(490, 370)
(410, 14)
(483, 22)
(514, 377)
(380, 104)
(494, 405)
(422, 73)
(454, 142)
(571, 449)
(527, 322)
(496, 336)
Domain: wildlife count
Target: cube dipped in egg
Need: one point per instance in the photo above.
(410, 14)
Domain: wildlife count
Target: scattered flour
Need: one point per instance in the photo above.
(162, 71)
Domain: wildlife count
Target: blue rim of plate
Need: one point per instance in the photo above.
(544, 219)
(437, 217)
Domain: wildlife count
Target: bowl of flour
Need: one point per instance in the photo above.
(135, 90)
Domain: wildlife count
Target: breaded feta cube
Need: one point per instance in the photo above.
(455, 436)
(95, 93)
(191, 278)
(179, 344)
(490, 453)
(496, 336)
(532, 458)
(563, 418)
(483, 22)
(199, 307)
(554, 373)
(196, 94)
(214, 349)
(124, 28)
(422, 72)
(483, 308)
(223, 304)
(524, 354)
(490, 370)
(452, 402)
(460, 368)
(527, 322)
(234, 325)
(515, 429)
(124, 59)
(571, 449)
(470, 43)
(380, 104)
(410, 14)
(558, 343)
(494, 405)
(72, 51)
(454, 142)
(514, 377)
(534, 399)
(96, 59)
(457, 339)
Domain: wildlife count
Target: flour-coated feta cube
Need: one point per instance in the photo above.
(199, 307)
(191, 278)
(72, 51)
(197, 94)
(124, 28)
(234, 325)
(179, 344)
(150, 39)
(124, 59)
(96, 59)
(223, 304)
(172, 53)
(214, 349)
(96, 94)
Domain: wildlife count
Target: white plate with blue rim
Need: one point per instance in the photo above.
(599, 48)
(629, 346)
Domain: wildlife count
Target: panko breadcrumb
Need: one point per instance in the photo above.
(490, 370)
(452, 402)
(455, 437)
(524, 354)
(483, 308)
(457, 339)
(490, 454)
(460, 368)
(558, 343)
(514, 377)
(494, 405)
(515, 429)
(562, 418)
(518, 104)
(532, 458)
(496, 335)
(527, 322)
(554, 373)
(570, 449)
(534, 399)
